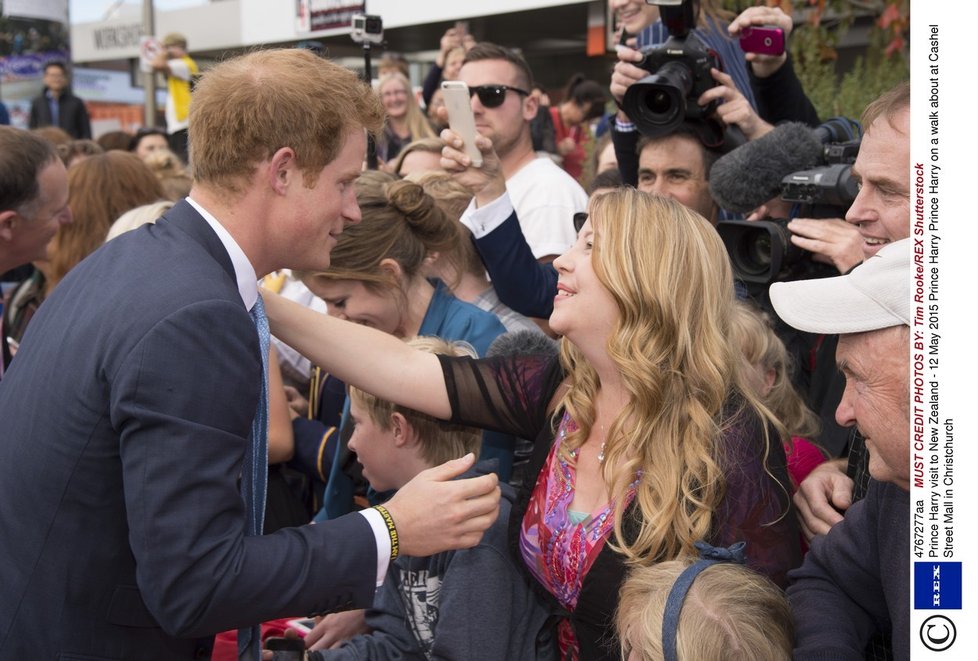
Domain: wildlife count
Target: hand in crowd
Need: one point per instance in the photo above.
(435, 512)
(486, 182)
(734, 108)
(566, 145)
(831, 240)
(449, 41)
(626, 72)
(298, 404)
(763, 65)
(821, 496)
(334, 629)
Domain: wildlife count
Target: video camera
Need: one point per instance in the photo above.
(761, 251)
(679, 72)
(367, 28)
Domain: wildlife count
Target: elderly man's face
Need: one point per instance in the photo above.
(877, 398)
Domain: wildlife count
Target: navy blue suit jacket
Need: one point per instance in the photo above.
(521, 282)
(125, 420)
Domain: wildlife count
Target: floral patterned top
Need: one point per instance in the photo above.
(558, 550)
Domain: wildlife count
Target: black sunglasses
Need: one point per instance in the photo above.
(492, 96)
(579, 219)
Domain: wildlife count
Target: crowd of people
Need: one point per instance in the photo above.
(542, 417)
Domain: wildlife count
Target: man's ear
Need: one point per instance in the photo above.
(8, 221)
(281, 170)
(531, 105)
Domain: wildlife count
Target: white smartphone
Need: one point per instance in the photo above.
(460, 117)
(302, 625)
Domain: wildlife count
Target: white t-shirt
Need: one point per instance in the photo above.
(546, 198)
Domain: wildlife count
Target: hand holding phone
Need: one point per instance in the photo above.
(460, 117)
(762, 39)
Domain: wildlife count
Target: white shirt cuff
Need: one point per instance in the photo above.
(383, 538)
(483, 220)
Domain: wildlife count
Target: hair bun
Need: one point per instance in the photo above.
(410, 199)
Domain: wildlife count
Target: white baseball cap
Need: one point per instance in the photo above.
(876, 294)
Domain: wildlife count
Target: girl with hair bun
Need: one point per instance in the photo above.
(376, 274)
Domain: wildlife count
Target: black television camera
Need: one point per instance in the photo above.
(761, 251)
(679, 72)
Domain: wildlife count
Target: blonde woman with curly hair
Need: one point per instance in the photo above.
(647, 438)
(405, 119)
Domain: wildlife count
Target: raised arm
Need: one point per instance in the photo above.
(369, 359)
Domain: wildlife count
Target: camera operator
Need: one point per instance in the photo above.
(680, 85)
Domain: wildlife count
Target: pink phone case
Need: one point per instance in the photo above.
(764, 39)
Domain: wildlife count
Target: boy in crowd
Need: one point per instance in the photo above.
(472, 604)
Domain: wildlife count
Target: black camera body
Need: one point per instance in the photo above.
(761, 251)
(679, 72)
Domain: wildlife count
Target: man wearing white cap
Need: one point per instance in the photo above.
(855, 580)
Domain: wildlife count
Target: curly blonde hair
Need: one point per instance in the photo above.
(668, 272)
(751, 330)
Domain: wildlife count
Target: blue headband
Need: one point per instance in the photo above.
(709, 556)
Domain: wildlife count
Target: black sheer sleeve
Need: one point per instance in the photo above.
(756, 507)
(505, 393)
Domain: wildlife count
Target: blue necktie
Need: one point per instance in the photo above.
(254, 474)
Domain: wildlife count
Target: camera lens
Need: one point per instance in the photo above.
(658, 102)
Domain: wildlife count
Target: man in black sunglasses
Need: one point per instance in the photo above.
(543, 196)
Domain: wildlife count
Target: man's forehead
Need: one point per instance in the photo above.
(488, 72)
(673, 152)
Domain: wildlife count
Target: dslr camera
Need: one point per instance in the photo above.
(761, 251)
(679, 72)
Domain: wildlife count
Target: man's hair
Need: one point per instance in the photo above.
(485, 50)
(23, 155)
(245, 109)
(439, 441)
(710, 156)
(731, 613)
(56, 63)
(889, 105)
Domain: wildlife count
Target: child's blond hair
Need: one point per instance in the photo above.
(439, 441)
(751, 331)
(730, 613)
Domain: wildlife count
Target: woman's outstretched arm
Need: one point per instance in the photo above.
(369, 359)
